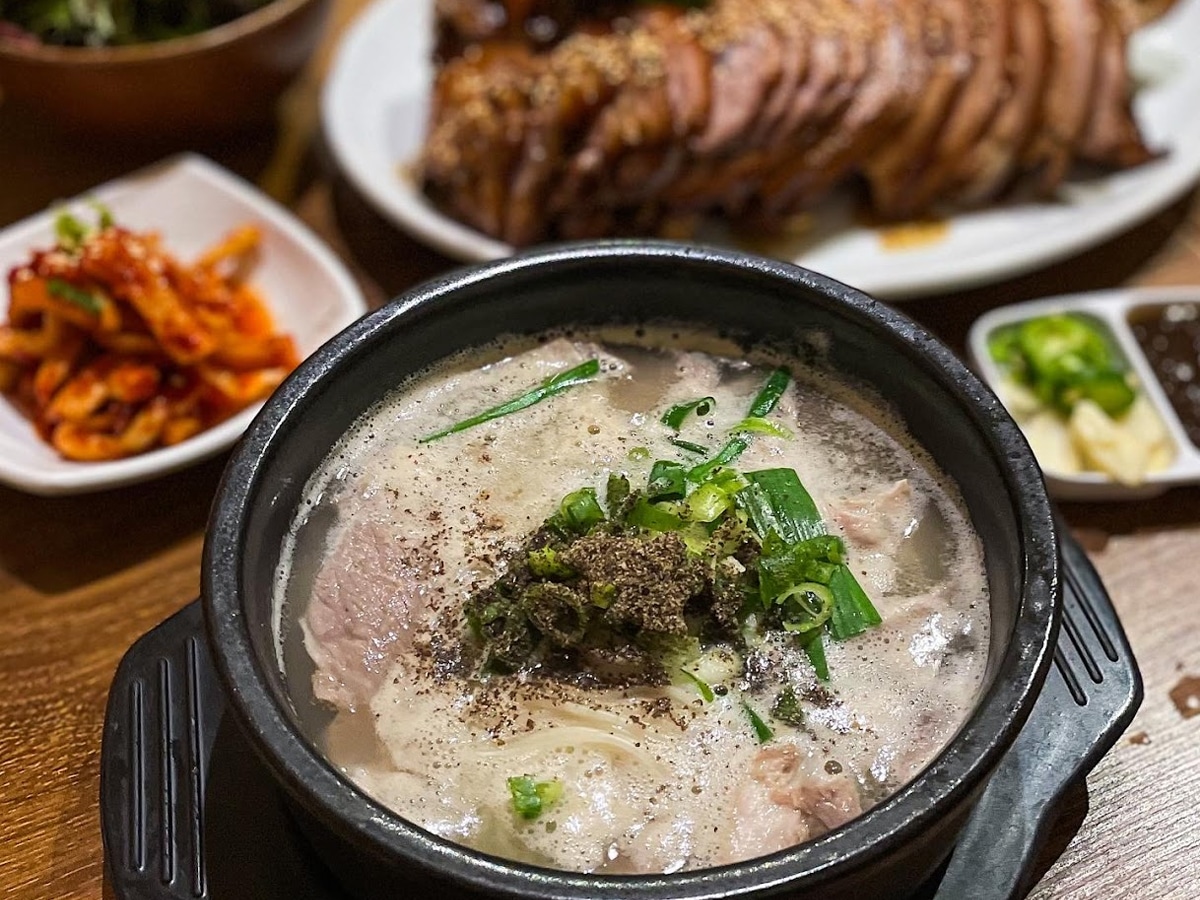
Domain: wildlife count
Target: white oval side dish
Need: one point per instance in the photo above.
(192, 202)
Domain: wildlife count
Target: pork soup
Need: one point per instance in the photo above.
(630, 603)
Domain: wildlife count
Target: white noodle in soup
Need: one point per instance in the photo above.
(710, 743)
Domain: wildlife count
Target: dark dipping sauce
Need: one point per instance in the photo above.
(1169, 335)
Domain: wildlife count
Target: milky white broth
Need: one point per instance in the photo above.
(395, 535)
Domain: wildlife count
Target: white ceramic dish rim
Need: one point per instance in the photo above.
(1112, 307)
(49, 475)
(374, 102)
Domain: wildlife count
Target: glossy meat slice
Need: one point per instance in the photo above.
(564, 108)
(834, 65)
(1110, 135)
(479, 113)
(631, 147)
(649, 117)
(975, 104)
(989, 166)
(878, 104)
(1075, 30)
(946, 47)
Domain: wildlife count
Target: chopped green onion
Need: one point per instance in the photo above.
(763, 403)
(104, 216)
(637, 454)
(581, 510)
(806, 607)
(706, 693)
(559, 612)
(531, 798)
(667, 481)
(787, 708)
(547, 563)
(689, 446)
(783, 566)
(754, 425)
(499, 623)
(777, 501)
(729, 480)
(761, 730)
(733, 448)
(580, 374)
(708, 503)
(766, 399)
(603, 594)
(695, 537)
(64, 290)
(653, 516)
(814, 648)
(70, 232)
(675, 416)
(853, 612)
(616, 492)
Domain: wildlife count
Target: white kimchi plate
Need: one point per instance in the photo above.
(375, 105)
(192, 202)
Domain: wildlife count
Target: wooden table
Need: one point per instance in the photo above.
(81, 578)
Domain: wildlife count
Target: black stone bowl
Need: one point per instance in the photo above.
(888, 851)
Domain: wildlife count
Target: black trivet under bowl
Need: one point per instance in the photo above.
(188, 813)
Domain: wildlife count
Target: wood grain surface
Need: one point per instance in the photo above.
(81, 578)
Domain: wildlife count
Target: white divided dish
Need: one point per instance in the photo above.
(1112, 309)
(193, 203)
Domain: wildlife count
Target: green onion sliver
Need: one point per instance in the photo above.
(733, 448)
(766, 399)
(104, 216)
(689, 446)
(762, 731)
(580, 374)
(787, 708)
(814, 648)
(653, 516)
(677, 414)
(777, 501)
(667, 480)
(706, 693)
(709, 502)
(806, 607)
(69, 231)
(755, 425)
(530, 798)
(64, 290)
(581, 510)
(853, 612)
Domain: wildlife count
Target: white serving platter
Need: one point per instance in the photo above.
(375, 105)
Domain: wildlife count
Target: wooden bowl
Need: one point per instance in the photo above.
(219, 80)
